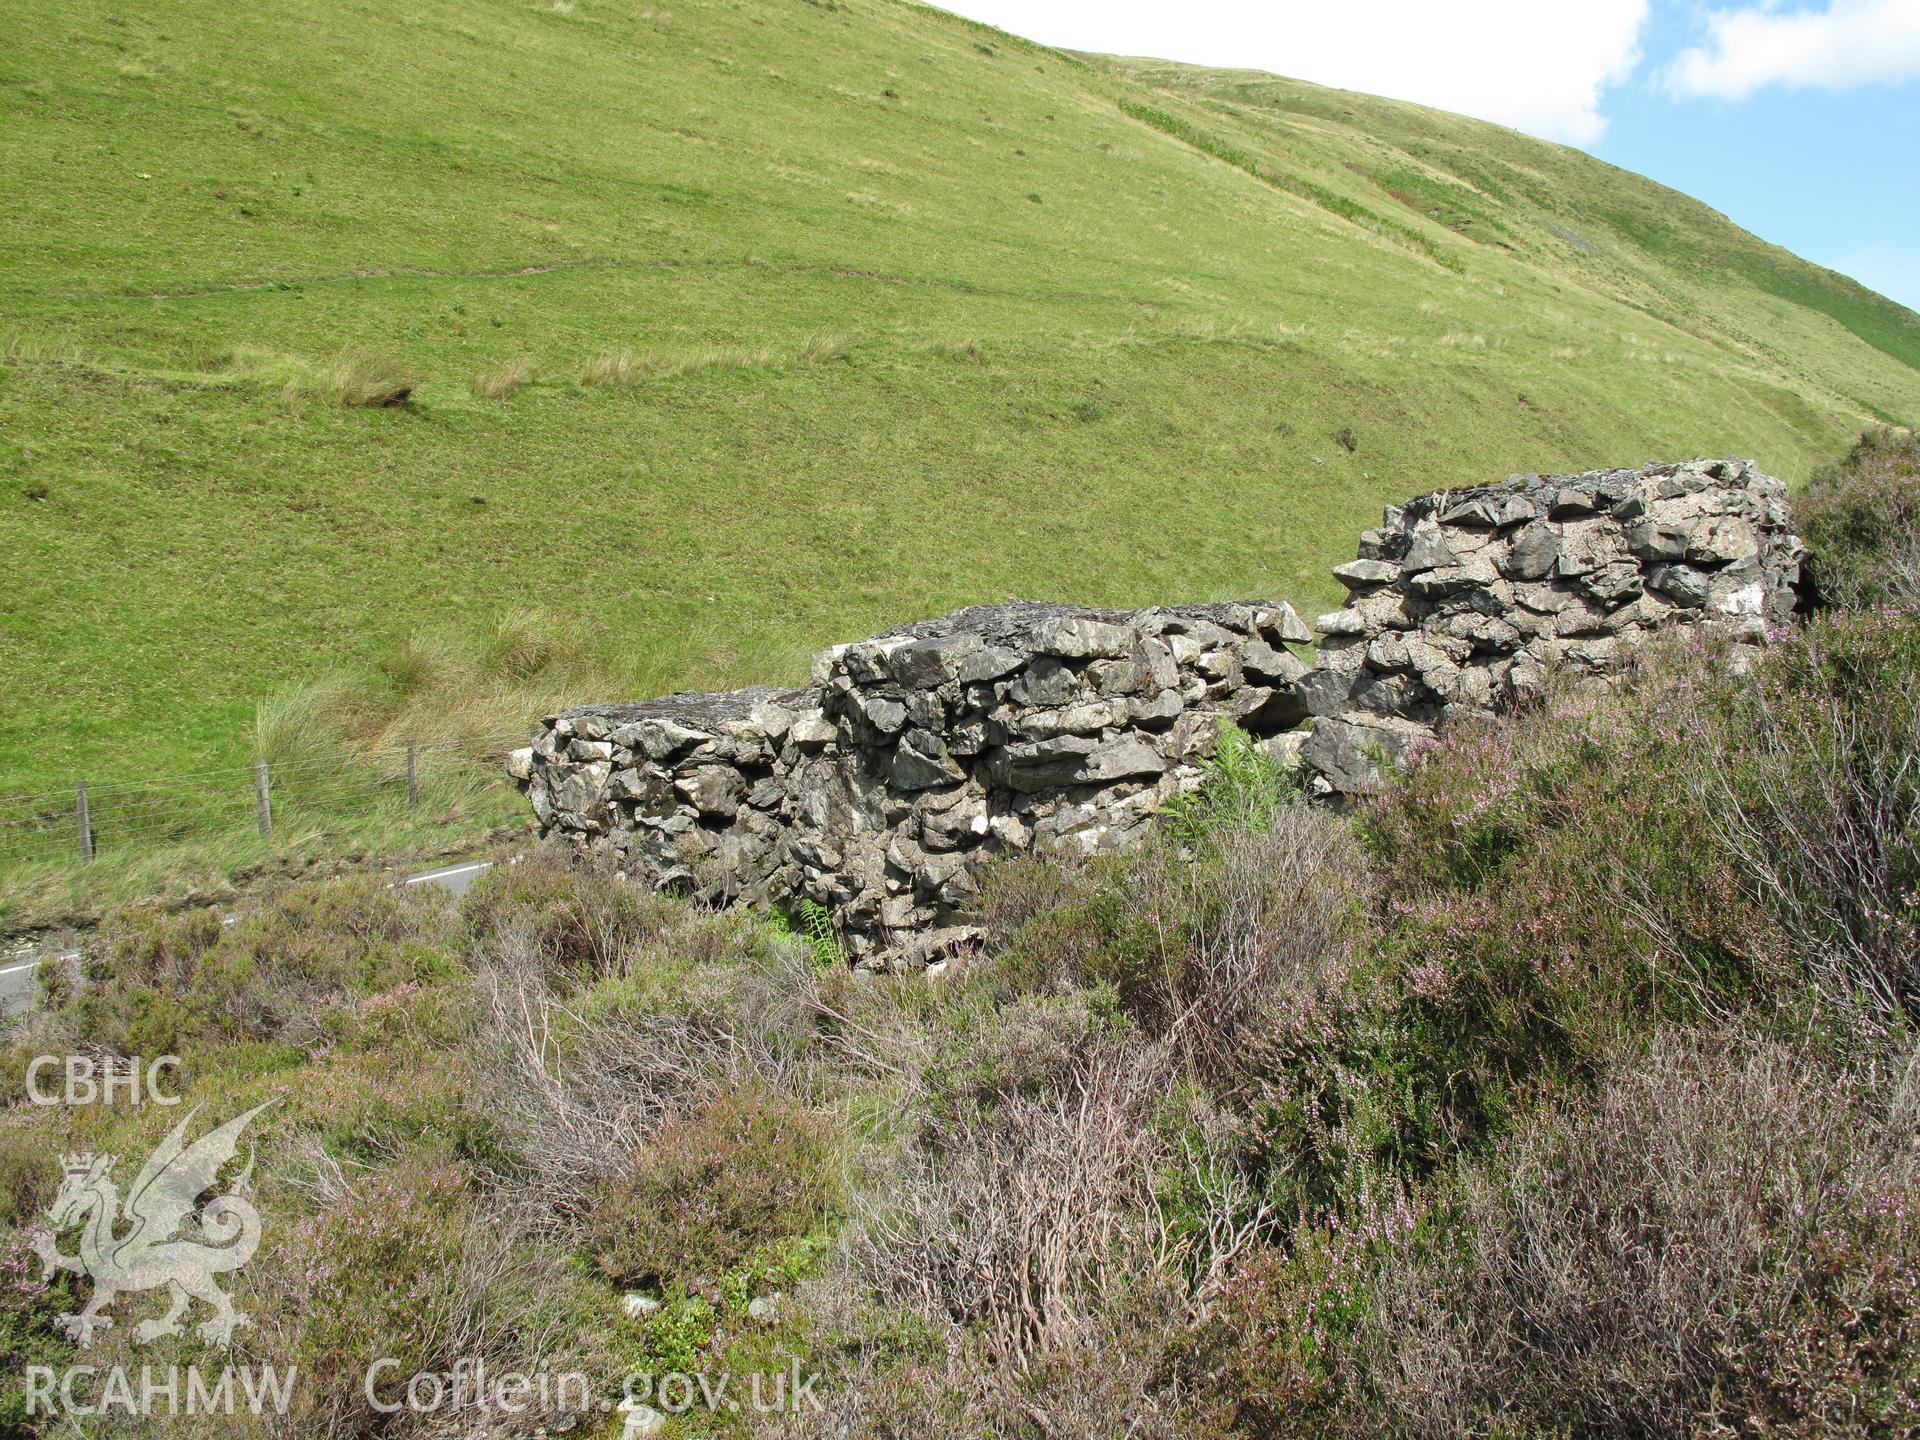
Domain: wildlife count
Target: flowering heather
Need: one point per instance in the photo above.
(1861, 518)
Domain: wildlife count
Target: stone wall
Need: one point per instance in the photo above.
(1462, 600)
(879, 789)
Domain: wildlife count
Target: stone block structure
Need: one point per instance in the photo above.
(1461, 601)
(878, 790)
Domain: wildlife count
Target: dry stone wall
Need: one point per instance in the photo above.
(914, 756)
(1461, 601)
(878, 790)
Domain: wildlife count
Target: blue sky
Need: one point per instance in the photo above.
(1800, 119)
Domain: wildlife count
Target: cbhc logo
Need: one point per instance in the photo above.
(98, 1082)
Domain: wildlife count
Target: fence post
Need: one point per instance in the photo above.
(262, 796)
(84, 815)
(413, 777)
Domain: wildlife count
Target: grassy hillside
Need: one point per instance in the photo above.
(898, 313)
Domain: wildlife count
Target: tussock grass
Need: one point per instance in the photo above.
(624, 367)
(307, 724)
(41, 349)
(416, 663)
(500, 382)
(452, 695)
(354, 378)
(520, 644)
(825, 348)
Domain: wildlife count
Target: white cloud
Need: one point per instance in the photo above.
(1538, 65)
(1852, 42)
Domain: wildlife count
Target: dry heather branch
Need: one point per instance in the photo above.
(1819, 803)
(315, 1173)
(1236, 1216)
(1282, 902)
(581, 1096)
(489, 1304)
(1643, 1264)
(1014, 1224)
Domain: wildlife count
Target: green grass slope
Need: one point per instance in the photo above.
(913, 314)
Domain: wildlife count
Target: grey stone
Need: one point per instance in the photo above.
(929, 664)
(1086, 717)
(1268, 666)
(1117, 677)
(1517, 510)
(1681, 584)
(1428, 550)
(1343, 622)
(1325, 692)
(580, 796)
(922, 761)
(1366, 574)
(1650, 541)
(1162, 672)
(1158, 711)
(1483, 632)
(1721, 542)
(963, 824)
(988, 662)
(811, 731)
(714, 790)
(1570, 503)
(885, 714)
(1344, 754)
(1045, 682)
(1542, 599)
(660, 739)
(1615, 585)
(1398, 695)
(1075, 638)
(1123, 759)
(1033, 765)
(1451, 580)
(1281, 625)
(1216, 664)
(1388, 653)
(1471, 513)
(1533, 552)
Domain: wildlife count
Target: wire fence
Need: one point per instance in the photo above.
(86, 821)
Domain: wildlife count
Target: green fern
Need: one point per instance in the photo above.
(1243, 789)
(811, 924)
(816, 923)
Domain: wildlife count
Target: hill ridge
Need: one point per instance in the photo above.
(730, 326)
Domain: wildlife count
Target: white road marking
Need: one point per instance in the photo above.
(34, 964)
(448, 874)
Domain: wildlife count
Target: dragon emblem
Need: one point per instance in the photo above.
(219, 1237)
